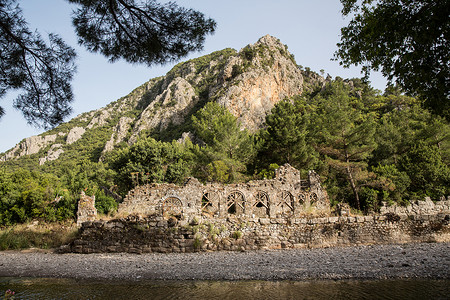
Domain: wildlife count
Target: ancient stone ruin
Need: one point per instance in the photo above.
(284, 212)
(86, 209)
(285, 196)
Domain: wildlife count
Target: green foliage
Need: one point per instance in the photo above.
(344, 134)
(394, 183)
(429, 174)
(268, 173)
(217, 171)
(227, 148)
(414, 53)
(105, 204)
(151, 161)
(367, 148)
(26, 195)
(285, 138)
(236, 234)
(197, 243)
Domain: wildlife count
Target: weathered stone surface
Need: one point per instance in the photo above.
(87, 212)
(248, 85)
(53, 153)
(280, 197)
(169, 107)
(273, 77)
(30, 145)
(427, 206)
(100, 118)
(136, 235)
(119, 133)
(74, 135)
(196, 217)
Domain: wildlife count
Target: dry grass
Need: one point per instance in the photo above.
(43, 236)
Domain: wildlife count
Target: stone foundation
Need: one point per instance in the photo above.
(136, 234)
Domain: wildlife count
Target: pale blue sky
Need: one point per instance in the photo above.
(310, 29)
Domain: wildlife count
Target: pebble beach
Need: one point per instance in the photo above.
(425, 260)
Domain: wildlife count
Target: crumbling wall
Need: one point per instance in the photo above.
(154, 233)
(284, 212)
(86, 209)
(418, 207)
(285, 196)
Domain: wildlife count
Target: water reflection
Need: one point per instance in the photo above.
(34, 288)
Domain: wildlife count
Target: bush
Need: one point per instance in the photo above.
(105, 204)
(44, 237)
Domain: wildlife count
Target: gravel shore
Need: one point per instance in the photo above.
(359, 262)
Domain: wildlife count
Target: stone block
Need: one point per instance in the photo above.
(264, 221)
(162, 223)
(368, 218)
(359, 219)
(333, 219)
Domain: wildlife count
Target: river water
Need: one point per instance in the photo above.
(39, 288)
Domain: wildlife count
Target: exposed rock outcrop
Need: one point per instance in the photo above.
(119, 133)
(100, 119)
(273, 76)
(30, 145)
(75, 134)
(249, 83)
(170, 106)
(53, 154)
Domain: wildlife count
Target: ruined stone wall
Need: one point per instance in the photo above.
(418, 207)
(136, 234)
(285, 196)
(86, 209)
(284, 212)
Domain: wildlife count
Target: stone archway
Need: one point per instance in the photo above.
(261, 206)
(313, 198)
(236, 203)
(172, 207)
(302, 198)
(210, 203)
(285, 204)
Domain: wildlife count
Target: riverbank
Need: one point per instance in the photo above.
(425, 260)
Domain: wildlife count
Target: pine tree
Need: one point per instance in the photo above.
(225, 142)
(344, 134)
(285, 138)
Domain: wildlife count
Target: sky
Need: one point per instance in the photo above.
(310, 29)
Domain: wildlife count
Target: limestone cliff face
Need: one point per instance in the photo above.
(168, 107)
(248, 82)
(28, 146)
(272, 75)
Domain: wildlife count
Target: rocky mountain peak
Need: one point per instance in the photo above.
(248, 82)
(272, 42)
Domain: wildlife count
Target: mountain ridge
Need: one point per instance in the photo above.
(248, 83)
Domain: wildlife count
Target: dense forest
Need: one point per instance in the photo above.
(368, 147)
